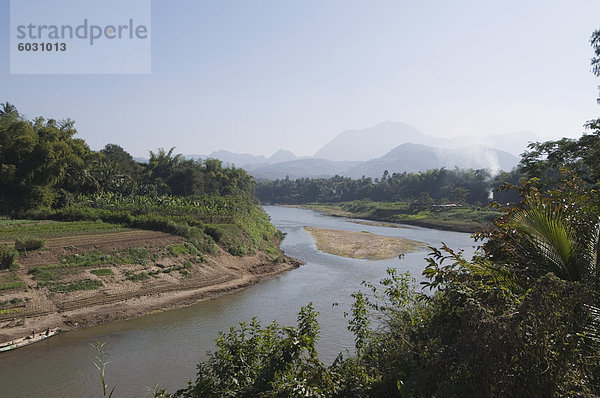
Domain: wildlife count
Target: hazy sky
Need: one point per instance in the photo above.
(254, 76)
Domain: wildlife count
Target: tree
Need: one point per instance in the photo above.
(253, 360)
(37, 159)
(8, 110)
(595, 42)
(558, 248)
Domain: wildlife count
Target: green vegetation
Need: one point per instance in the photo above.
(47, 174)
(178, 250)
(131, 255)
(8, 257)
(29, 243)
(183, 269)
(238, 220)
(100, 362)
(13, 302)
(10, 280)
(5, 222)
(102, 272)
(519, 319)
(11, 311)
(44, 276)
(85, 284)
(444, 199)
(438, 186)
(137, 277)
(455, 218)
(36, 229)
(44, 166)
(12, 285)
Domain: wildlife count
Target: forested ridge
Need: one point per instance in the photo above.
(460, 186)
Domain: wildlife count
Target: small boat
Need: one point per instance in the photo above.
(34, 338)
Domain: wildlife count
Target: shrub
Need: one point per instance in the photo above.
(214, 232)
(29, 243)
(238, 250)
(8, 257)
(138, 277)
(85, 284)
(177, 250)
(102, 272)
(43, 275)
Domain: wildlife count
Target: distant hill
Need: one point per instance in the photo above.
(403, 158)
(374, 142)
(282, 155)
(246, 160)
(415, 157)
(238, 159)
(302, 168)
(231, 158)
(396, 147)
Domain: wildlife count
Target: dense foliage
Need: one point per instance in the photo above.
(43, 165)
(439, 185)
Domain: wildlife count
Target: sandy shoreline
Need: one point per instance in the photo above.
(362, 245)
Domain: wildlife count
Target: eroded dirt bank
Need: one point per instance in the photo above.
(162, 279)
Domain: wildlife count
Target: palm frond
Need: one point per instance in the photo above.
(553, 238)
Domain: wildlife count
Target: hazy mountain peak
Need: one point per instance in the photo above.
(282, 155)
(373, 142)
(239, 159)
(410, 157)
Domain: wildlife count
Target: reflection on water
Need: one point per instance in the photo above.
(165, 348)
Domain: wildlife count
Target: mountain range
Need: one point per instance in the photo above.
(392, 146)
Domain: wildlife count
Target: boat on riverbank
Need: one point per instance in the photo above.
(34, 338)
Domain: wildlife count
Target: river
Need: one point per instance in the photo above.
(164, 348)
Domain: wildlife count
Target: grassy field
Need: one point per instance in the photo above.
(10, 280)
(12, 229)
(235, 223)
(460, 218)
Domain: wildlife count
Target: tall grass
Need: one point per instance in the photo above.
(8, 257)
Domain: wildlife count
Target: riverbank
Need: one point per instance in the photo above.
(451, 218)
(362, 245)
(54, 291)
